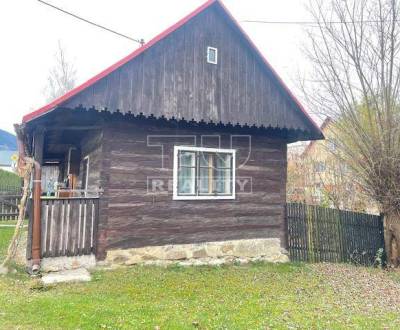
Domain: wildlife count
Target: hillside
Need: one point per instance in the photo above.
(8, 141)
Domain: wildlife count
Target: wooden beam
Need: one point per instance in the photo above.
(74, 128)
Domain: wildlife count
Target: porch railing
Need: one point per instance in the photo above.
(68, 226)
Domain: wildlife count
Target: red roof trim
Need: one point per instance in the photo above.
(47, 108)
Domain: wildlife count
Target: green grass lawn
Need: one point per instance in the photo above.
(256, 296)
(11, 222)
(259, 296)
(5, 236)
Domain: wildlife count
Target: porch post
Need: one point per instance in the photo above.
(36, 226)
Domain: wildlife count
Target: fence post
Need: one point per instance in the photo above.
(382, 228)
(285, 238)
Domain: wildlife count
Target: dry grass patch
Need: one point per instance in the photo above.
(374, 290)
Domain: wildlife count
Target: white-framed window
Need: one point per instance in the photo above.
(203, 173)
(212, 55)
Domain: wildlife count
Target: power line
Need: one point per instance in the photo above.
(140, 41)
(316, 22)
(281, 22)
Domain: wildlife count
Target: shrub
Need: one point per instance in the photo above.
(9, 181)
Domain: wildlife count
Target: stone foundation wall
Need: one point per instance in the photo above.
(211, 253)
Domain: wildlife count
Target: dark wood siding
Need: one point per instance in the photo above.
(173, 79)
(134, 218)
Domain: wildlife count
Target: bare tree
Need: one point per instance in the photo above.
(62, 76)
(354, 48)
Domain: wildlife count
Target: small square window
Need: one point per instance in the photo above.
(212, 55)
(319, 167)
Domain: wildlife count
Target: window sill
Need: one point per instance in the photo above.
(200, 198)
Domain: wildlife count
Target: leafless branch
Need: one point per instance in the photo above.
(356, 81)
(62, 76)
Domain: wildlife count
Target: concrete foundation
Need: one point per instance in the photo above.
(74, 275)
(67, 263)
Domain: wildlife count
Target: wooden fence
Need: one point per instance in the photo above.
(318, 234)
(9, 201)
(69, 227)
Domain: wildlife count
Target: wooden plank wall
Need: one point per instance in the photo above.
(69, 226)
(135, 218)
(92, 146)
(50, 173)
(172, 79)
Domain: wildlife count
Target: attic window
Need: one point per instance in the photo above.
(212, 55)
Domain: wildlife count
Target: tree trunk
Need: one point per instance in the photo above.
(392, 238)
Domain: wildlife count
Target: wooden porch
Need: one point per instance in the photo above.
(66, 187)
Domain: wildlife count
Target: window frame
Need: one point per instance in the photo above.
(85, 185)
(214, 49)
(196, 196)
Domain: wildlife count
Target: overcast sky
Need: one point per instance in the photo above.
(30, 32)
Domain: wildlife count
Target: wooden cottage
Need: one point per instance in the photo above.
(177, 151)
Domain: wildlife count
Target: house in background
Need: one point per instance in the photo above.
(8, 160)
(178, 151)
(8, 151)
(316, 176)
(322, 175)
